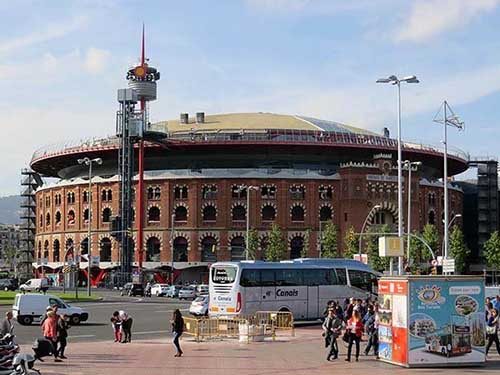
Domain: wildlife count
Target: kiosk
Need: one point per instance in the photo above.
(428, 321)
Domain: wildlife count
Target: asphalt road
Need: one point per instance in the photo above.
(151, 319)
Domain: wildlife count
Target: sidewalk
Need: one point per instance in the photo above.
(303, 354)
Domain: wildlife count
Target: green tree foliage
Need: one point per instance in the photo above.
(253, 244)
(492, 250)
(305, 248)
(350, 243)
(377, 262)
(9, 256)
(329, 241)
(458, 249)
(431, 236)
(276, 247)
(417, 254)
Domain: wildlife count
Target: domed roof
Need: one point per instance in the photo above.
(257, 121)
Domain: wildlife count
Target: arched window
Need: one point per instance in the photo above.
(296, 247)
(157, 193)
(208, 249)
(85, 197)
(110, 195)
(238, 248)
(71, 217)
(105, 251)
(325, 214)
(431, 218)
(47, 219)
(46, 249)
(56, 251)
(297, 213)
(180, 213)
(209, 192)
(239, 213)
(69, 248)
(57, 217)
(181, 192)
(150, 193)
(104, 196)
(268, 192)
(39, 253)
(238, 192)
(84, 246)
(268, 213)
(106, 215)
(86, 215)
(383, 217)
(41, 220)
(180, 250)
(209, 213)
(153, 249)
(325, 192)
(154, 214)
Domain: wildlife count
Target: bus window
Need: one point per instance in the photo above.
(250, 278)
(223, 275)
(361, 279)
(315, 277)
(341, 276)
(267, 278)
(288, 277)
(332, 277)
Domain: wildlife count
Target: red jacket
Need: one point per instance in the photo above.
(358, 330)
(49, 327)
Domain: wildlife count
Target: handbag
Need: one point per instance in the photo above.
(345, 336)
(491, 330)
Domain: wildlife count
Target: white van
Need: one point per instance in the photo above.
(35, 285)
(28, 308)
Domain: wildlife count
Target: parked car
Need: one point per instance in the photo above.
(199, 307)
(28, 308)
(35, 285)
(173, 291)
(187, 292)
(159, 290)
(202, 290)
(8, 284)
(136, 290)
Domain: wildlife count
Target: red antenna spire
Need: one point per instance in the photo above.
(143, 47)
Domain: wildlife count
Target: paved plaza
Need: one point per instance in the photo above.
(302, 354)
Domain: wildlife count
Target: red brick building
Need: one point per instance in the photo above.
(304, 171)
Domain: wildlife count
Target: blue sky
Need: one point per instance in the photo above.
(61, 63)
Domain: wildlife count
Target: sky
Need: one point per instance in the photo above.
(61, 63)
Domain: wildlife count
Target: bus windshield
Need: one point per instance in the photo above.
(223, 274)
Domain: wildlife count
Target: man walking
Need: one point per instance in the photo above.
(331, 327)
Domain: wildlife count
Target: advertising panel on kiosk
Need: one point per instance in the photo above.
(432, 320)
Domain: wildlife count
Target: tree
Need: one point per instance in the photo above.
(431, 236)
(328, 242)
(350, 243)
(276, 247)
(458, 249)
(305, 246)
(253, 243)
(9, 256)
(417, 250)
(377, 262)
(492, 250)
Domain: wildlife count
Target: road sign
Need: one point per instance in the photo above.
(448, 265)
(363, 258)
(434, 262)
(390, 246)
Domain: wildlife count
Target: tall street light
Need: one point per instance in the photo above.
(88, 161)
(393, 80)
(409, 165)
(376, 207)
(443, 245)
(248, 188)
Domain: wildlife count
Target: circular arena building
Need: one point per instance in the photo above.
(299, 173)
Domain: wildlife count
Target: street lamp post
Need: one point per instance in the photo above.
(408, 164)
(87, 161)
(393, 80)
(172, 233)
(443, 245)
(376, 207)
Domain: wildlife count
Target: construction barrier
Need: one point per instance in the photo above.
(247, 328)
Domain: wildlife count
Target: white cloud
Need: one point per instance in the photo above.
(95, 60)
(428, 18)
(52, 31)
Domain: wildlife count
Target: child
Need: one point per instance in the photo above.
(116, 324)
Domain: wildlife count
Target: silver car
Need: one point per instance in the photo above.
(188, 292)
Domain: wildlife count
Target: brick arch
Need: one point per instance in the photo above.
(148, 235)
(298, 185)
(234, 204)
(179, 204)
(384, 206)
(232, 235)
(185, 235)
(203, 235)
(298, 204)
(326, 204)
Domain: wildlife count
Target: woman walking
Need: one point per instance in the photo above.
(49, 329)
(62, 335)
(116, 324)
(492, 330)
(354, 331)
(177, 328)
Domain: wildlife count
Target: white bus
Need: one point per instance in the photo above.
(301, 286)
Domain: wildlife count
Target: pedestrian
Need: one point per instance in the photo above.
(349, 310)
(496, 303)
(62, 335)
(7, 326)
(49, 329)
(492, 331)
(354, 331)
(330, 304)
(147, 290)
(177, 329)
(332, 327)
(116, 324)
(487, 310)
(371, 328)
(126, 323)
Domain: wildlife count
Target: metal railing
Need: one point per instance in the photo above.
(242, 136)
